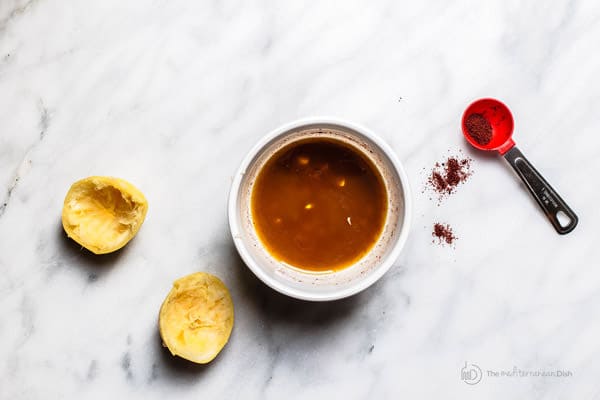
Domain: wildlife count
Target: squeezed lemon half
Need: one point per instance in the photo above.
(196, 318)
(103, 213)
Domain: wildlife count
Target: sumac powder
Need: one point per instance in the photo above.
(443, 233)
(446, 176)
(479, 128)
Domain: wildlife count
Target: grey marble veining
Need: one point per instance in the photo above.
(170, 95)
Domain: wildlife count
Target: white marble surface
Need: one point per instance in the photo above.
(170, 94)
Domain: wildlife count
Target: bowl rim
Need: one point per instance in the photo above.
(334, 294)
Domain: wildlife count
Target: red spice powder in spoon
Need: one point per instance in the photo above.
(479, 128)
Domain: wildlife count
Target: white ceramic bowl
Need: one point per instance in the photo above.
(315, 286)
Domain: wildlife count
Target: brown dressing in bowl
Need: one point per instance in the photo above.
(319, 205)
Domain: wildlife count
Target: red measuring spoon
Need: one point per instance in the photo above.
(500, 118)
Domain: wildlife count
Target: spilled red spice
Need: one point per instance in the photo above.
(443, 233)
(445, 177)
(479, 128)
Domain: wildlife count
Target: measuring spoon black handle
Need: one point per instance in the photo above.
(550, 202)
(544, 194)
